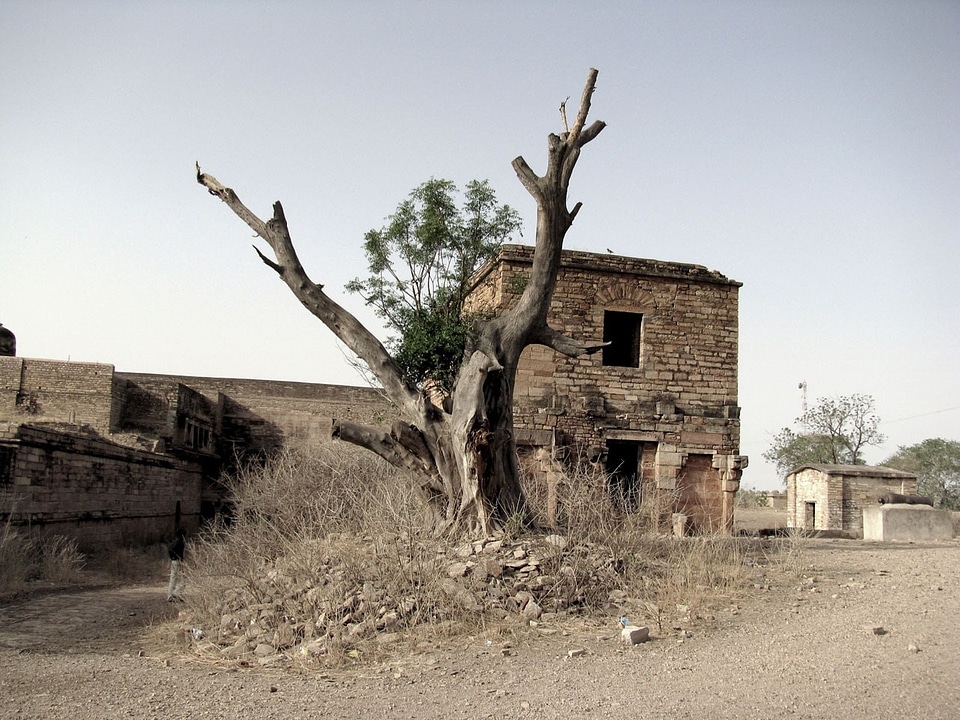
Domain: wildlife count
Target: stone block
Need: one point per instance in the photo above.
(633, 635)
(906, 523)
(666, 483)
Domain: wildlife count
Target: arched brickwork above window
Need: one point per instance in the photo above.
(627, 297)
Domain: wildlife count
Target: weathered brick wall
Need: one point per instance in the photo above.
(689, 349)
(11, 370)
(60, 391)
(699, 495)
(684, 394)
(92, 489)
(148, 407)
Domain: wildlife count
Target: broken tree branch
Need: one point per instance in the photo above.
(566, 345)
(387, 446)
(341, 322)
(588, 89)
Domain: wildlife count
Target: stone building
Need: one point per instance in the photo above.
(658, 406)
(832, 497)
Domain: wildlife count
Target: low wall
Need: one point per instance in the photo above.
(93, 490)
(906, 523)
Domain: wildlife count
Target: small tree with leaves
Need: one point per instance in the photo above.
(420, 265)
(936, 463)
(834, 431)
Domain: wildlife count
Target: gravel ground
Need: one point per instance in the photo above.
(800, 646)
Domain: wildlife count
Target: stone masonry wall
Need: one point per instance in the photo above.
(92, 489)
(812, 486)
(858, 493)
(262, 414)
(688, 351)
(683, 397)
(66, 474)
(61, 391)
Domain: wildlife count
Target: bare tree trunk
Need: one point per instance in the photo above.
(465, 460)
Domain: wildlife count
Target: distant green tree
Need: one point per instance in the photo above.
(834, 431)
(750, 498)
(936, 463)
(791, 449)
(420, 265)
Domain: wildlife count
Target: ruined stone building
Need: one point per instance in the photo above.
(106, 455)
(659, 405)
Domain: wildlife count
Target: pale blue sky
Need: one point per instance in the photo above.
(808, 149)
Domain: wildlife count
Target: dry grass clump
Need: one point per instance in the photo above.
(24, 559)
(327, 560)
(645, 569)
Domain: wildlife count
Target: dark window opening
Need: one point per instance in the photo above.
(194, 435)
(622, 331)
(8, 458)
(623, 473)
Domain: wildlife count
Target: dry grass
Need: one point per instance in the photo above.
(326, 560)
(24, 559)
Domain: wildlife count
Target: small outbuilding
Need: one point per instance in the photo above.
(832, 497)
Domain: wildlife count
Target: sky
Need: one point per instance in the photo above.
(807, 149)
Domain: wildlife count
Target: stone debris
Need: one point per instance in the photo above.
(326, 611)
(634, 635)
(578, 652)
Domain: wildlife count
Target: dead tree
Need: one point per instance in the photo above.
(464, 456)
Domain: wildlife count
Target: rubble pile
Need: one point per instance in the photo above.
(360, 590)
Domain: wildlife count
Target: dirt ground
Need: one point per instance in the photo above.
(800, 645)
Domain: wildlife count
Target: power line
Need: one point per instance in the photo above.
(932, 412)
